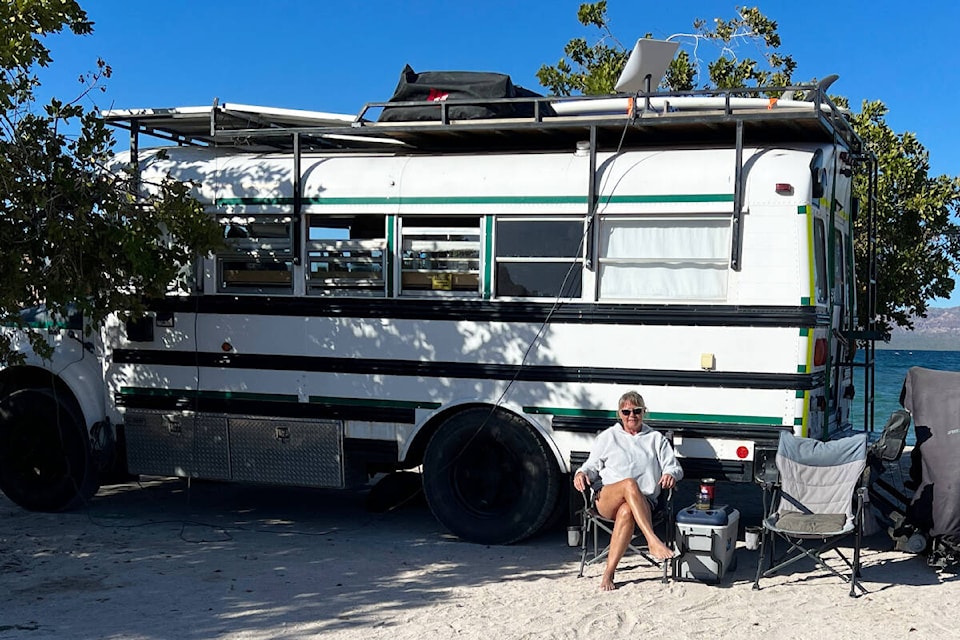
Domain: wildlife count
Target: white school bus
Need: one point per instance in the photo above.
(470, 299)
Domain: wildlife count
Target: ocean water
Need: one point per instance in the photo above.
(891, 370)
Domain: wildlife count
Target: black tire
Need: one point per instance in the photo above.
(45, 460)
(489, 478)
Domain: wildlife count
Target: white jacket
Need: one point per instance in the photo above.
(617, 455)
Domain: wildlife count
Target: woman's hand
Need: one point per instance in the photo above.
(580, 481)
(667, 481)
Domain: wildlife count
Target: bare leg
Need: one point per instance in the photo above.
(626, 492)
(622, 534)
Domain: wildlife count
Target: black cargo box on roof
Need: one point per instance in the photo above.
(441, 86)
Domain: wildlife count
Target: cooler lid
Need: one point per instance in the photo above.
(717, 516)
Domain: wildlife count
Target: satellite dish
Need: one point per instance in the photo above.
(646, 65)
(822, 87)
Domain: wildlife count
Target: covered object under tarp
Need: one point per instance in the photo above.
(933, 397)
(493, 95)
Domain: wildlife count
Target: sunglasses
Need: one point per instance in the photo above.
(632, 412)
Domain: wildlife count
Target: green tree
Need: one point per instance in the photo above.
(75, 237)
(918, 238)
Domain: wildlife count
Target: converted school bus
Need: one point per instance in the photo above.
(470, 298)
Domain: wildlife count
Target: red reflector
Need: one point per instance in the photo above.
(742, 452)
(820, 352)
(784, 187)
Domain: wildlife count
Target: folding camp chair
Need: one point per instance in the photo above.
(818, 504)
(592, 523)
(887, 449)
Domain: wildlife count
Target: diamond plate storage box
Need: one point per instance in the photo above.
(177, 443)
(706, 540)
(307, 453)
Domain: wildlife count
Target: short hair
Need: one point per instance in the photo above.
(635, 398)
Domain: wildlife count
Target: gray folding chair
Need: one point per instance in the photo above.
(816, 505)
(595, 527)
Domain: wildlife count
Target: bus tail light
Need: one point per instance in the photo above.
(820, 352)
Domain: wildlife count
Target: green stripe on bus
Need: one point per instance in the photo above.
(575, 413)
(804, 331)
(801, 368)
(803, 209)
(800, 393)
(253, 201)
(243, 395)
(380, 404)
(455, 200)
(655, 415)
(805, 302)
(691, 197)
(703, 417)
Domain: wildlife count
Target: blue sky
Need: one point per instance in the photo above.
(326, 56)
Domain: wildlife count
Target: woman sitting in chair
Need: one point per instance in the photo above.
(628, 466)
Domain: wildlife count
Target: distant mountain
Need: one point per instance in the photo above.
(939, 331)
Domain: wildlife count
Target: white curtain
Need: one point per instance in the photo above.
(664, 258)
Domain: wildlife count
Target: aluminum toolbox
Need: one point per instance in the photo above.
(706, 542)
(292, 451)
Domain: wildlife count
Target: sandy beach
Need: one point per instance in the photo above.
(161, 559)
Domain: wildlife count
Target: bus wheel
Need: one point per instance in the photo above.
(489, 478)
(45, 460)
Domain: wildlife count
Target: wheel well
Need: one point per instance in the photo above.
(417, 448)
(414, 455)
(16, 378)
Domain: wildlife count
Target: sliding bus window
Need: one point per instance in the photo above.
(346, 255)
(259, 254)
(664, 257)
(440, 256)
(538, 257)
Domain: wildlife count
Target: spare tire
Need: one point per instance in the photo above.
(489, 477)
(45, 458)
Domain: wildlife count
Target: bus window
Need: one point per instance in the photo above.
(259, 255)
(440, 255)
(539, 258)
(660, 258)
(346, 255)
(839, 266)
(819, 261)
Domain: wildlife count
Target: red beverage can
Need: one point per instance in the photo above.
(706, 494)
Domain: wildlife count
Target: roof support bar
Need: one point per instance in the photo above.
(135, 158)
(737, 233)
(592, 200)
(297, 198)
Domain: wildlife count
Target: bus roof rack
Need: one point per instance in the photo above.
(631, 120)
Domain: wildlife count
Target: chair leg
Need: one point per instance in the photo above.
(584, 535)
(855, 569)
(761, 553)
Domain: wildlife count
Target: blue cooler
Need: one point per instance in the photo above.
(706, 541)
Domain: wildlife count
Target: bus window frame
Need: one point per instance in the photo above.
(270, 256)
(442, 282)
(570, 263)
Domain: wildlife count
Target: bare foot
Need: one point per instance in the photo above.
(660, 551)
(606, 584)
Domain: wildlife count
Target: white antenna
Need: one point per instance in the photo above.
(646, 65)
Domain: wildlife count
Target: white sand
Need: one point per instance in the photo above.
(225, 561)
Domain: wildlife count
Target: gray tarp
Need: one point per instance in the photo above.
(933, 397)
